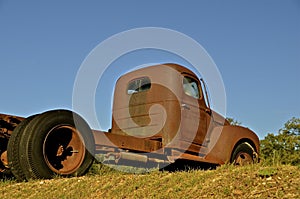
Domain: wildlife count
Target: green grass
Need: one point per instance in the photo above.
(227, 181)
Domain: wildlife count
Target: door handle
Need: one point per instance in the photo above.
(185, 106)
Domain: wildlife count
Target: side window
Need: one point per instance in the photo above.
(190, 87)
(138, 85)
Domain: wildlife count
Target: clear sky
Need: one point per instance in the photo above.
(255, 45)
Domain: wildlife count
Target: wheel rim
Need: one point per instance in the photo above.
(243, 158)
(63, 149)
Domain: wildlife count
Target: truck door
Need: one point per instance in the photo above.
(193, 111)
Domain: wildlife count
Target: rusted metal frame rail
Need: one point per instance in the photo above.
(7, 124)
(115, 147)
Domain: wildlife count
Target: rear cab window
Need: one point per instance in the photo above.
(138, 85)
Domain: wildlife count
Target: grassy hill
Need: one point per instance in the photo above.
(253, 181)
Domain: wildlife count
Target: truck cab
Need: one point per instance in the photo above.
(166, 106)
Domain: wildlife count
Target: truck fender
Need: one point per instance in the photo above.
(223, 141)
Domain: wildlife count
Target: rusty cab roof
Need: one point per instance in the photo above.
(168, 74)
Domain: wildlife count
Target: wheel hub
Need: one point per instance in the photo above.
(243, 158)
(63, 149)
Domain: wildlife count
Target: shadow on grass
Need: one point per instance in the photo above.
(186, 165)
(6, 177)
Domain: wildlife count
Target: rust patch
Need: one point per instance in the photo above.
(7, 124)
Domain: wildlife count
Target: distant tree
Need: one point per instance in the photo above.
(292, 126)
(283, 148)
(233, 121)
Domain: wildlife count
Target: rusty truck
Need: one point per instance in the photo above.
(160, 114)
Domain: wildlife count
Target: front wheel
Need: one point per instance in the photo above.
(243, 154)
(56, 143)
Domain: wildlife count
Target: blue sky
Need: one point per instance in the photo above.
(255, 45)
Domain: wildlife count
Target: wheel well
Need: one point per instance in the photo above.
(241, 141)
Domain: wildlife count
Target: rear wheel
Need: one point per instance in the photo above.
(243, 154)
(57, 143)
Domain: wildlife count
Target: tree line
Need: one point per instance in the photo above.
(283, 148)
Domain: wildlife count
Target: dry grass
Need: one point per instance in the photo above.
(254, 181)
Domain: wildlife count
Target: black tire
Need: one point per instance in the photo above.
(243, 154)
(13, 150)
(55, 143)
